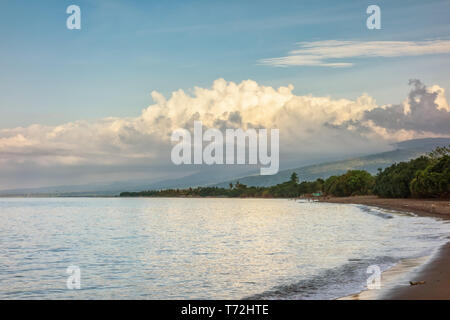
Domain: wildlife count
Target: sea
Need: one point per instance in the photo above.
(202, 248)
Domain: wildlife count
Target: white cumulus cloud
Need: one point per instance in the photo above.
(309, 127)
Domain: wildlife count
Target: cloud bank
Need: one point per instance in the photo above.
(124, 148)
(330, 53)
(425, 110)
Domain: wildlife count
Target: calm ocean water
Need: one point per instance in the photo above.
(128, 248)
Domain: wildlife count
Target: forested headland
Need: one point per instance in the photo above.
(424, 177)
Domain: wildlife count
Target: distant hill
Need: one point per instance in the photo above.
(207, 176)
(405, 151)
(210, 176)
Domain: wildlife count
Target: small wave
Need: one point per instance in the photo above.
(328, 284)
(375, 211)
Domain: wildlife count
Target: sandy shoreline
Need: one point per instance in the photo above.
(435, 272)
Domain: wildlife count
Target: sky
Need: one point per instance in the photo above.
(317, 58)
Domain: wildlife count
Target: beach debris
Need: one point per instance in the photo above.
(414, 283)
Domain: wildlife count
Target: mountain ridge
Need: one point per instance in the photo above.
(406, 150)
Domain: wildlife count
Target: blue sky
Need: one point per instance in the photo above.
(126, 49)
(57, 78)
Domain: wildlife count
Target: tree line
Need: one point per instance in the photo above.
(424, 177)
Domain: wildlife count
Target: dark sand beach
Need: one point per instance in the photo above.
(435, 275)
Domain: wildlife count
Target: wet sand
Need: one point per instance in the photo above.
(435, 273)
(423, 207)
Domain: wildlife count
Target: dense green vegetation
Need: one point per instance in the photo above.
(288, 189)
(394, 181)
(423, 177)
(433, 181)
(352, 183)
(426, 176)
